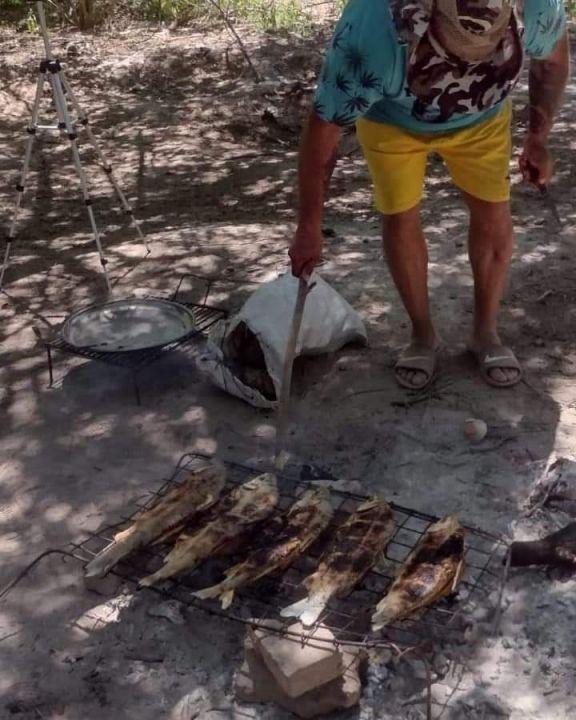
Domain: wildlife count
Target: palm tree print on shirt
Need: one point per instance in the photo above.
(347, 77)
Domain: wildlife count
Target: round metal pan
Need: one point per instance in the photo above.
(128, 325)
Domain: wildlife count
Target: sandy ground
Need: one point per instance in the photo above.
(208, 157)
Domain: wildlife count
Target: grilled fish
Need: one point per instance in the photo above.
(199, 492)
(247, 504)
(300, 526)
(357, 546)
(431, 571)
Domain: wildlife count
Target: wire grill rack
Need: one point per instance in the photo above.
(348, 618)
(205, 316)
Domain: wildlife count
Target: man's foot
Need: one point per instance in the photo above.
(497, 364)
(416, 367)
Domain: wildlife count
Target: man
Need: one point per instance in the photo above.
(422, 76)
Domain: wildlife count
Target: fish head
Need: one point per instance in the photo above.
(257, 497)
(322, 497)
(207, 479)
(215, 474)
(319, 498)
(265, 488)
(373, 503)
(447, 526)
(318, 494)
(263, 481)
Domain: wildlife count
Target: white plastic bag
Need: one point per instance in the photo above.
(328, 323)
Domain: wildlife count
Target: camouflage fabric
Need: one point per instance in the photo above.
(444, 84)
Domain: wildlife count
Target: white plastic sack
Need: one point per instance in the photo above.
(328, 324)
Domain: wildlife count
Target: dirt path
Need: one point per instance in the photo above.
(209, 158)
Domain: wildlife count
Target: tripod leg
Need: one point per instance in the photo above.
(84, 120)
(31, 130)
(66, 124)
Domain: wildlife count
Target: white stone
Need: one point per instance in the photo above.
(255, 683)
(299, 666)
(475, 429)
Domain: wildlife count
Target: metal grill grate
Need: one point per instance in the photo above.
(205, 316)
(348, 618)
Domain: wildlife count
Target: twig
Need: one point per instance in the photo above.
(540, 504)
(428, 688)
(432, 392)
(237, 37)
(366, 392)
(545, 295)
(439, 461)
(432, 395)
(534, 389)
(490, 448)
(498, 614)
(458, 574)
(10, 635)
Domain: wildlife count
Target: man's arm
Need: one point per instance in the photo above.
(318, 151)
(548, 78)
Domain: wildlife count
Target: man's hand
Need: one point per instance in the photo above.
(306, 251)
(535, 162)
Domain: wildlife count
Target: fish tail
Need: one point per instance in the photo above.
(150, 580)
(209, 593)
(225, 590)
(296, 609)
(222, 591)
(381, 619)
(377, 623)
(307, 610)
(227, 598)
(165, 572)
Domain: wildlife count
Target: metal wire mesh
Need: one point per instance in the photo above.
(348, 618)
(204, 318)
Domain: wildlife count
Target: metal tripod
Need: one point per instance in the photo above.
(51, 72)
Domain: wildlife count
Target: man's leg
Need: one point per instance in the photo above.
(397, 162)
(491, 242)
(407, 256)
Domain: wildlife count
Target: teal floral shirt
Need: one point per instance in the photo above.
(366, 68)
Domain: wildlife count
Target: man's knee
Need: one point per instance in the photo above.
(491, 224)
(496, 216)
(401, 225)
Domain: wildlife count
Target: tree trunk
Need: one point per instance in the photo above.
(86, 14)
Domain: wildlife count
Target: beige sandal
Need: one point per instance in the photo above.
(501, 358)
(419, 360)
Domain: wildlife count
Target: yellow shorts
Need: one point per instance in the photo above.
(478, 159)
